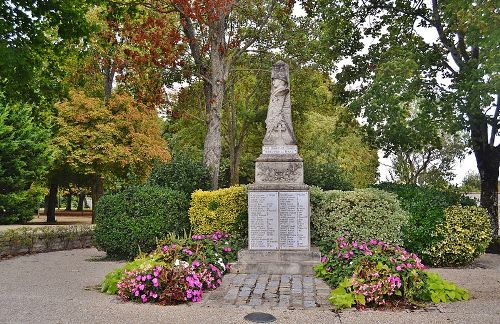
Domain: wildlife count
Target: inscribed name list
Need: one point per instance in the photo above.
(263, 220)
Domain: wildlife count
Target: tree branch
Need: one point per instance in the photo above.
(194, 45)
(494, 124)
(439, 28)
(252, 40)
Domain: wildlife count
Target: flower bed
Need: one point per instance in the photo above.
(374, 273)
(178, 271)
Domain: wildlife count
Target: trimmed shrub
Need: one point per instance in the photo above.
(464, 235)
(361, 215)
(223, 209)
(183, 173)
(131, 221)
(426, 206)
(327, 176)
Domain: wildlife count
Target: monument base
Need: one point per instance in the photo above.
(278, 217)
(276, 262)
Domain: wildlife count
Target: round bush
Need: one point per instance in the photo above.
(131, 221)
(426, 206)
(183, 173)
(360, 215)
(327, 176)
(463, 235)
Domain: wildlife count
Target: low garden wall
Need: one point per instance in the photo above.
(44, 239)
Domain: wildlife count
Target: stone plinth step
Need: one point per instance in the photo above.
(277, 261)
(279, 255)
(291, 268)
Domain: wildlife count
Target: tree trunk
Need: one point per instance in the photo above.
(51, 209)
(46, 204)
(97, 192)
(214, 94)
(488, 163)
(81, 198)
(109, 75)
(69, 197)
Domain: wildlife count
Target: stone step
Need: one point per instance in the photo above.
(279, 255)
(277, 261)
(302, 268)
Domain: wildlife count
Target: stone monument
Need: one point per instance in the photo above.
(278, 201)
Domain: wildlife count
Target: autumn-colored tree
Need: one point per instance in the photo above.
(119, 139)
(215, 33)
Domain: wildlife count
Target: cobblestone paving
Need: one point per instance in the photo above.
(263, 291)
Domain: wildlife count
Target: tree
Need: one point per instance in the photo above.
(215, 34)
(400, 67)
(471, 182)
(114, 140)
(432, 165)
(325, 132)
(24, 157)
(34, 35)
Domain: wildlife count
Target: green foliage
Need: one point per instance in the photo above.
(36, 37)
(183, 173)
(24, 160)
(471, 182)
(439, 290)
(361, 215)
(327, 176)
(341, 297)
(426, 206)
(224, 209)
(464, 235)
(133, 220)
(349, 151)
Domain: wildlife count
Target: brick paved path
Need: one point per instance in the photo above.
(263, 291)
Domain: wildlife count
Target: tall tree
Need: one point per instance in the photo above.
(117, 139)
(325, 132)
(34, 35)
(24, 152)
(400, 66)
(215, 34)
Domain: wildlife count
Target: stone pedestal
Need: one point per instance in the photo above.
(278, 201)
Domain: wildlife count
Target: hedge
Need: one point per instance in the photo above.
(223, 209)
(133, 220)
(360, 215)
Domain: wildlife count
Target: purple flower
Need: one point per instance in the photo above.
(195, 264)
(323, 259)
(227, 249)
(155, 282)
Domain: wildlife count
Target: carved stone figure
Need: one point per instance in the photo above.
(279, 129)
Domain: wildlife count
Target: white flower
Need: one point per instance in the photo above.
(180, 263)
(221, 263)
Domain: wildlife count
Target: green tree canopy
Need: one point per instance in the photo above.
(24, 159)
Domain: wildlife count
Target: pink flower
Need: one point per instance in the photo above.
(398, 268)
(155, 282)
(227, 249)
(323, 259)
(195, 264)
(409, 266)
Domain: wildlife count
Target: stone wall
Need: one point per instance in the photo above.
(26, 240)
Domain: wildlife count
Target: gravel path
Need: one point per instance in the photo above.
(60, 287)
